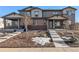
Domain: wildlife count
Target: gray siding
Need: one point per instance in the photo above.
(39, 22)
(51, 13)
(33, 13)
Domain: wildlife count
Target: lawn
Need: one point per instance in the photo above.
(24, 40)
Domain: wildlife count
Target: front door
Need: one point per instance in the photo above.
(54, 24)
(57, 24)
(51, 24)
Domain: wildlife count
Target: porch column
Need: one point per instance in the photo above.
(18, 24)
(47, 24)
(53, 24)
(4, 23)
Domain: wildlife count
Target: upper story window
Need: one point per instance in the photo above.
(28, 13)
(70, 12)
(67, 12)
(73, 12)
(36, 13)
(22, 13)
(55, 13)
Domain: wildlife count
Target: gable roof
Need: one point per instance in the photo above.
(70, 7)
(13, 15)
(30, 8)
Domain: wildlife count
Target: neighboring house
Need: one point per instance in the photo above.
(37, 18)
(1, 23)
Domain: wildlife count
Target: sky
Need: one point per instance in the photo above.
(8, 9)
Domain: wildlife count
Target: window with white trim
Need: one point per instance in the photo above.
(36, 13)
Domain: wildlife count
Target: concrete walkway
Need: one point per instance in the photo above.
(8, 35)
(58, 41)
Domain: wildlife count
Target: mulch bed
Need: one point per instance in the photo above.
(24, 40)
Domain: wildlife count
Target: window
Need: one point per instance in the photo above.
(9, 22)
(36, 12)
(57, 23)
(28, 13)
(22, 13)
(67, 12)
(73, 12)
(55, 13)
(70, 12)
(33, 22)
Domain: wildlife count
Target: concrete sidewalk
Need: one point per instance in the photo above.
(39, 49)
(58, 41)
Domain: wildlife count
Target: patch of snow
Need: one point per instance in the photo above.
(41, 40)
(66, 37)
(20, 30)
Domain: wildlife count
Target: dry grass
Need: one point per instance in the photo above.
(24, 40)
(69, 33)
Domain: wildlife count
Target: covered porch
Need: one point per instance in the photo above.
(13, 21)
(56, 22)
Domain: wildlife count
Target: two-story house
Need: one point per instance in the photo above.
(37, 18)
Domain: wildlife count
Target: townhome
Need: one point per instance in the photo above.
(34, 18)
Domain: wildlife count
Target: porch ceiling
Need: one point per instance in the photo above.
(57, 17)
